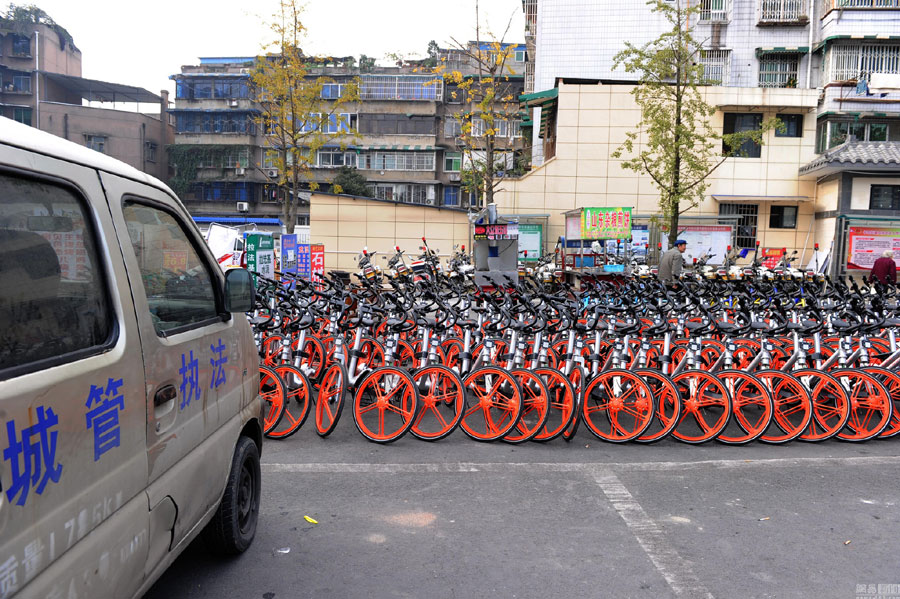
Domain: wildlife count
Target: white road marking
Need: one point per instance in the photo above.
(651, 538)
(506, 467)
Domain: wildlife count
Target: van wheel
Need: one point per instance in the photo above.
(232, 529)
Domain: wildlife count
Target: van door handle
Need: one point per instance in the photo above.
(164, 395)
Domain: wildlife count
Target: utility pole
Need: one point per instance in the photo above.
(37, 79)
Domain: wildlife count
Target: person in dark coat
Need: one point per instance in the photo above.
(885, 269)
(672, 262)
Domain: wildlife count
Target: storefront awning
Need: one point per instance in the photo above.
(782, 50)
(756, 199)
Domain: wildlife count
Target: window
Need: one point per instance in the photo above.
(793, 125)
(775, 11)
(778, 70)
(737, 122)
(834, 133)
(854, 62)
(96, 143)
(744, 218)
(452, 162)
(22, 115)
(335, 158)
(237, 158)
(203, 90)
(783, 217)
(53, 301)
(452, 127)
(396, 124)
(400, 87)
(340, 123)
(397, 161)
(714, 10)
(716, 66)
(402, 192)
(178, 283)
(303, 220)
(21, 45)
(215, 122)
(150, 151)
(884, 197)
(451, 195)
(332, 91)
(21, 84)
(519, 56)
(224, 192)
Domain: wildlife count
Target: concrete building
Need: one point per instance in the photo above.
(41, 86)
(836, 67)
(405, 142)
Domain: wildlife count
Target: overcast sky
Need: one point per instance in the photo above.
(141, 44)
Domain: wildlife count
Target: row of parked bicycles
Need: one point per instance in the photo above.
(418, 348)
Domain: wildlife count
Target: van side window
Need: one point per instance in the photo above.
(53, 303)
(177, 281)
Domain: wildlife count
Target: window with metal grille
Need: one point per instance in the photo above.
(778, 70)
(776, 11)
(745, 223)
(855, 62)
(716, 66)
(714, 10)
(401, 87)
(397, 161)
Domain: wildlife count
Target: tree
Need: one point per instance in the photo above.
(295, 118)
(348, 180)
(490, 117)
(680, 150)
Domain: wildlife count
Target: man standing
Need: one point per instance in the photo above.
(885, 269)
(672, 262)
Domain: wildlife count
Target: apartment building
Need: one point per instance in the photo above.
(402, 136)
(41, 86)
(837, 56)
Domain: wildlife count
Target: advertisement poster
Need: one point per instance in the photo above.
(289, 253)
(261, 254)
(771, 257)
(866, 244)
(605, 223)
(509, 231)
(640, 240)
(72, 256)
(573, 228)
(317, 262)
(531, 239)
(703, 239)
(304, 264)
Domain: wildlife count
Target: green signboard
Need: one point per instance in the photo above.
(531, 239)
(605, 223)
(261, 254)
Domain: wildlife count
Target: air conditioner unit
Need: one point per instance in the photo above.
(233, 103)
(453, 176)
(272, 172)
(239, 171)
(243, 207)
(245, 71)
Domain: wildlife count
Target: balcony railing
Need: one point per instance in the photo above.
(872, 4)
(772, 12)
(714, 11)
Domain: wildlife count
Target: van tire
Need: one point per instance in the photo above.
(232, 529)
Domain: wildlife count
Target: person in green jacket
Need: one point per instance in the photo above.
(672, 262)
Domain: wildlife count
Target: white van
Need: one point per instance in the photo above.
(130, 417)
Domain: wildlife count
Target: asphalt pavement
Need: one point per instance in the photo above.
(462, 519)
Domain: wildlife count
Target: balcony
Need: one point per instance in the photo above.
(20, 88)
(773, 13)
(829, 5)
(715, 11)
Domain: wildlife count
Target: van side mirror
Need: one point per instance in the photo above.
(240, 292)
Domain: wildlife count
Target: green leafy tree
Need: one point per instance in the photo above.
(680, 149)
(295, 119)
(489, 121)
(349, 180)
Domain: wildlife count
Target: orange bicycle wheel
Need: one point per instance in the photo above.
(891, 382)
(330, 399)
(442, 398)
(793, 406)
(871, 405)
(577, 377)
(618, 406)
(385, 404)
(830, 404)
(706, 406)
(561, 406)
(296, 405)
(668, 405)
(752, 407)
(535, 398)
(272, 391)
(312, 357)
(493, 403)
